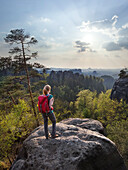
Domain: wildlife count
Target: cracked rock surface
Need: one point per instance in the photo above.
(81, 145)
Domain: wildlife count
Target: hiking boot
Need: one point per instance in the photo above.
(49, 136)
(55, 136)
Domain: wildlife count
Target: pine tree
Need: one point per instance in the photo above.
(21, 54)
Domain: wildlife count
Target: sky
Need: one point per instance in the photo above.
(70, 33)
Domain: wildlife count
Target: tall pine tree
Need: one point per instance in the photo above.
(21, 54)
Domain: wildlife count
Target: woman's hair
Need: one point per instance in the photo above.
(46, 89)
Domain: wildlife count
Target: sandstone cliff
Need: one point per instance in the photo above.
(120, 89)
(80, 146)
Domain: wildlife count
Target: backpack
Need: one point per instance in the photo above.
(43, 105)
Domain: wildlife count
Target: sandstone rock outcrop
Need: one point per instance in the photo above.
(81, 145)
(120, 89)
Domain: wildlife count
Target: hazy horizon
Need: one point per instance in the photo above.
(90, 68)
(71, 34)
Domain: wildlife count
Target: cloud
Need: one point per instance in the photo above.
(42, 19)
(83, 46)
(100, 25)
(123, 31)
(118, 36)
(45, 30)
(49, 44)
(2, 36)
(79, 43)
(45, 45)
(123, 36)
(117, 56)
(121, 42)
(44, 57)
(112, 46)
(4, 48)
(33, 20)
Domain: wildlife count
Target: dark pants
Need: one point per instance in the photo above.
(53, 120)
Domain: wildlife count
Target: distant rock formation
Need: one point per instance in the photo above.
(120, 89)
(95, 73)
(108, 81)
(80, 146)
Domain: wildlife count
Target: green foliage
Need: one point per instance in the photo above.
(86, 102)
(14, 126)
(118, 133)
(101, 107)
(113, 115)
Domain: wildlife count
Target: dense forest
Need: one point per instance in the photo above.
(75, 95)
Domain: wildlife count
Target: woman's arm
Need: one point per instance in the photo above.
(51, 102)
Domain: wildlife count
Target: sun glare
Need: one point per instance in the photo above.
(88, 38)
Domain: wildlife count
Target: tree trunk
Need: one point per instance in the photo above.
(9, 160)
(11, 97)
(29, 86)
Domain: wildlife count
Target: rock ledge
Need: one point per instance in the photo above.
(80, 146)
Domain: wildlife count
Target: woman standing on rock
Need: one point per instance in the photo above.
(45, 102)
